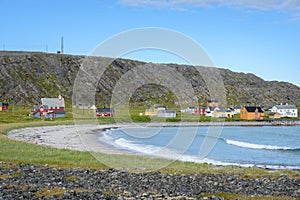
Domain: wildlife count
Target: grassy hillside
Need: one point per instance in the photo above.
(26, 77)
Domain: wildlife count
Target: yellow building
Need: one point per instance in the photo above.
(212, 103)
(222, 113)
(274, 115)
(153, 111)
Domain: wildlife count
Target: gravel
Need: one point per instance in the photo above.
(30, 181)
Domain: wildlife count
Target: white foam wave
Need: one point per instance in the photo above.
(256, 146)
(145, 149)
(170, 154)
(195, 159)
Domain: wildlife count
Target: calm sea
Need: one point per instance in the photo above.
(268, 146)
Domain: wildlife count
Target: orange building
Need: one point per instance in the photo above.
(252, 113)
(212, 103)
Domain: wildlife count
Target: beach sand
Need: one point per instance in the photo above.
(79, 137)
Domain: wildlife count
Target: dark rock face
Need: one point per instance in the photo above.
(28, 181)
(26, 77)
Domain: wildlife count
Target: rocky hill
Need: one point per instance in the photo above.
(25, 77)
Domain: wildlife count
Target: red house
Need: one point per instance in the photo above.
(105, 112)
(50, 108)
(4, 106)
(200, 111)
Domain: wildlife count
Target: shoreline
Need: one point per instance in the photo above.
(72, 136)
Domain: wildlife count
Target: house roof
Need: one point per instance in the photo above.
(106, 110)
(53, 102)
(212, 108)
(253, 108)
(213, 101)
(273, 113)
(237, 107)
(159, 106)
(167, 111)
(222, 109)
(59, 111)
(285, 106)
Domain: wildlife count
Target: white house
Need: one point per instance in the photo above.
(285, 110)
(210, 111)
(236, 109)
(190, 110)
(166, 113)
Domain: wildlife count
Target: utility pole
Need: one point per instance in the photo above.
(62, 45)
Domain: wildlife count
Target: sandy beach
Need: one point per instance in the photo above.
(79, 137)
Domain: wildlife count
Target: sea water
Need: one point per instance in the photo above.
(272, 147)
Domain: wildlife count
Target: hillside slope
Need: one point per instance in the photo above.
(25, 77)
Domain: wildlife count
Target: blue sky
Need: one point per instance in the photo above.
(251, 36)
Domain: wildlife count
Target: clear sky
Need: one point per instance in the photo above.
(256, 36)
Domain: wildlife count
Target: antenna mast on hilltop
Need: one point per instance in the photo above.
(62, 44)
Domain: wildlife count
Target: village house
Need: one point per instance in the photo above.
(212, 103)
(166, 113)
(4, 106)
(236, 109)
(252, 113)
(105, 112)
(50, 108)
(222, 113)
(190, 110)
(200, 111)
(210, 111)
(285, 110)
(274, 115)
(154, 110)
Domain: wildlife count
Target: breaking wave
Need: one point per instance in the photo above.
(175, 154)
(259, 146)
(161, 152)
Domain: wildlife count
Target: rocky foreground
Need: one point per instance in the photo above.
(28, 181)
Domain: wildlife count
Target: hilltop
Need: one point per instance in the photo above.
(25, 77)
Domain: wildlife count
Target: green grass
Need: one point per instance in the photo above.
(21, 152)
(50, 192)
